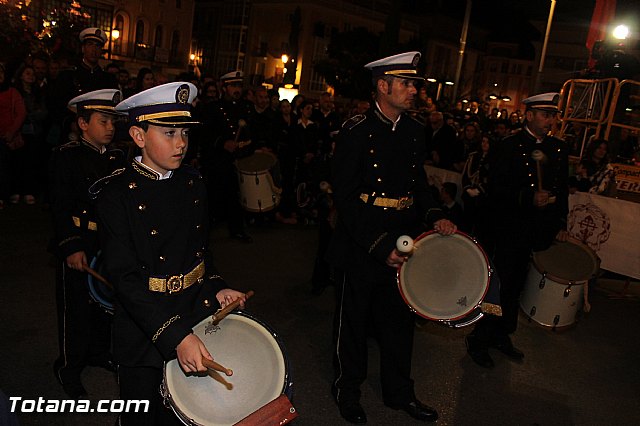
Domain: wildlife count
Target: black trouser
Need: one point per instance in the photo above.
(84, 329)
(373, 304)
(511, 263)
(143, 383)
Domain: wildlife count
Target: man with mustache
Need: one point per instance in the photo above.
(528, 197)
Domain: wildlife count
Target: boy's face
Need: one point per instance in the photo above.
(99, 129)
(163, 148)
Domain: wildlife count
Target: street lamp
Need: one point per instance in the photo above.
(621, 32)
(113, 36)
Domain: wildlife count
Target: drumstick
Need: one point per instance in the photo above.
(221, 313)
(97, 276)
(212, 365)
(241, 124)
(538, 156)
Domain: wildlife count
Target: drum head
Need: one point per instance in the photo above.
(446, 277)
(99, 292)
(258, 162)
(259, 373)
(567, 261)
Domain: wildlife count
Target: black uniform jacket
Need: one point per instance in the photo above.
(381, 159)
(155, 228)
(513, 179)
(74, 167)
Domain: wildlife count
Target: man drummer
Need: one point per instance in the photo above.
(83, 328)
(528, 196)
(380, 193)
(225, 123)
(155, 250)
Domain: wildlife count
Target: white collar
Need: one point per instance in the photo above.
(159, 175)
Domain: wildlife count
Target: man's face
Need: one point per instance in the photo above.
(436, 120)
(100, 128)
(91, 52)
(54, 69)
(326, 104)
(262, 99)
(470, 132)
(501, 130)
(540, 122)
(40, 67)
(123, 78)
(399, 94)
(233, 91)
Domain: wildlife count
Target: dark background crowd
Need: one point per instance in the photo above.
(300, 133)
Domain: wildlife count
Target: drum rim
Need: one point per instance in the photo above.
(473, 308)
(564, 281)
(256, 172)
(104, 304)
(166, 394)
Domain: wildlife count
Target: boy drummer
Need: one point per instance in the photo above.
(83, 328)
(156, 250)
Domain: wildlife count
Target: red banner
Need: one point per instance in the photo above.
(603, 13)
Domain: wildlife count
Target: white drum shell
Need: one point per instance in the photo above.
(555, 304)
(260, 374)
(256, 184)
(563, 269)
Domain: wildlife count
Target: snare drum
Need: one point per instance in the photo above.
(258, 192)
(554, 290)
(99, 292)
(446, 279)
(260, 373)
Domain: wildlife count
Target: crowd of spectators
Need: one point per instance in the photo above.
(300, 133)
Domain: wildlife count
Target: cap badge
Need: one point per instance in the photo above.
(415, 61)
(182, 94)
(117, 97)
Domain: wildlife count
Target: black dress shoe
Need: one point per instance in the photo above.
(505, 346)
(242, 237)
(107, 364)
(419, 411)
(71, 384)
(352, 412)
(478, 352)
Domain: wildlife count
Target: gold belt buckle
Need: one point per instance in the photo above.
(175, 283)
(403, 202)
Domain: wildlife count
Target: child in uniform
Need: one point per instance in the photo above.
(156, 251)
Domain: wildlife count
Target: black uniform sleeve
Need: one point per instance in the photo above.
(68, 237)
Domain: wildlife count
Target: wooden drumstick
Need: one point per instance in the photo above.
(221, 313)
(538, 156)
(97, 276)
(404, 245)
(241, 124)
(212, 365)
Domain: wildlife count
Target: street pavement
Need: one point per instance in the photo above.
(587, 375)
